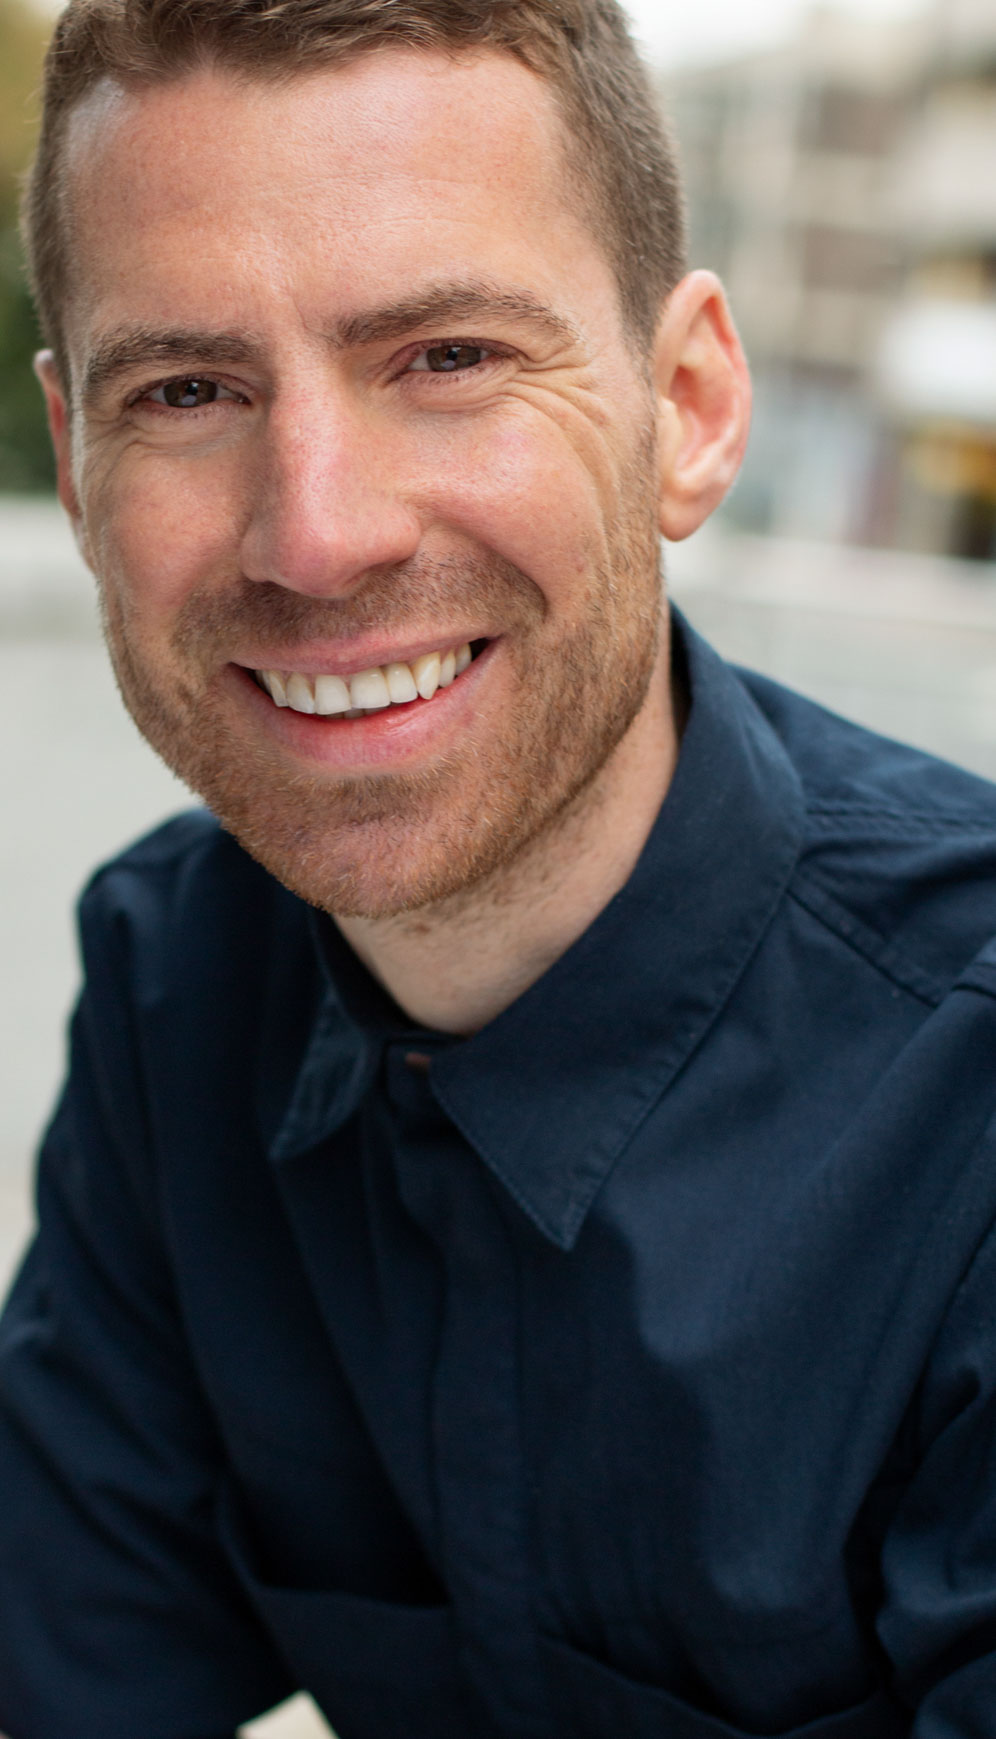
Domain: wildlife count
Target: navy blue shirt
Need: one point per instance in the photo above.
(625, 1371)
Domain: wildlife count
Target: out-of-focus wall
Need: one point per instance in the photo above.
(25, 460)
(844, 185)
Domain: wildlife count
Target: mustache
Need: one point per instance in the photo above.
(482, 590)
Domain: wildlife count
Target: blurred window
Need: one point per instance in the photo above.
(841, 259)
(864, 123)
(955, 277)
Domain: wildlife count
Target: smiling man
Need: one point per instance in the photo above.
(415, 458)
(515, 1250)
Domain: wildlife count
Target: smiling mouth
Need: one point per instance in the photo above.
(367, 691)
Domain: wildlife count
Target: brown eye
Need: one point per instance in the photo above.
(448, 358)
(186, 395)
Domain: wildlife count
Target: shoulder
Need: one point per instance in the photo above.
(899, 851)
(185, 904)
(192, 842)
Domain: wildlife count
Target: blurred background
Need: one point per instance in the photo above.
(841, 170)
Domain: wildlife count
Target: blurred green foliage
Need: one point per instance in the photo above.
(25, 461)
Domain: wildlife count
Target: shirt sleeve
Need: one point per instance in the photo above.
(938, 1621)
(120, 1617)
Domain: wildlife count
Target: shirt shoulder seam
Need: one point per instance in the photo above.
(912, 821)
(871, 947)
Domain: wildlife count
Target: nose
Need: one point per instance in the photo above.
(327, 500)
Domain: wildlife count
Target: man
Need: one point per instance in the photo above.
(515, 1248)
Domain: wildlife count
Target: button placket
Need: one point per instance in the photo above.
(475, 1402)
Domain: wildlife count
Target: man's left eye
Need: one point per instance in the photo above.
(449, 358)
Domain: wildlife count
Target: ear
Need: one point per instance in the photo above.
(58, 424)
(704, 396)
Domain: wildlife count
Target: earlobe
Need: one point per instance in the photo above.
(58, 424)
(704, 396)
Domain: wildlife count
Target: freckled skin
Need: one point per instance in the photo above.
(330, 491)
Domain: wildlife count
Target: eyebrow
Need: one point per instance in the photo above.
(142, 346)
(438, 304)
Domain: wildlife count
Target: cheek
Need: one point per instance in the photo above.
(532, 501)
(155, 530)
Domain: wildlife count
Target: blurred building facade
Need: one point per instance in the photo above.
(937, 363)
(844, 186)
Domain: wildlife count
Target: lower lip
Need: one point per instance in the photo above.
(384, 739)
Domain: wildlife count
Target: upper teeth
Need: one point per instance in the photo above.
(368, 690)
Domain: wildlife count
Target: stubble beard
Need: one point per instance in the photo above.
(381, 845)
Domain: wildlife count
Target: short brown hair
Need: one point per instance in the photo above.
(618, 142)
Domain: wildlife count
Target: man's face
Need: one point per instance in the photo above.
(352, 389)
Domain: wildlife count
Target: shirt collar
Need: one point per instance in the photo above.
(550, 1093)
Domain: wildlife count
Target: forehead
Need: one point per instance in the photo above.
(215, 188)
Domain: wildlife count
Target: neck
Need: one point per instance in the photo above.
(455, 966)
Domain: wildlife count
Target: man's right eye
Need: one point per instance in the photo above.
(188, 392)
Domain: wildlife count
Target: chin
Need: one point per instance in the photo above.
(374, 869)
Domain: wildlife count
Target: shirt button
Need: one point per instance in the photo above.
(417, 1060)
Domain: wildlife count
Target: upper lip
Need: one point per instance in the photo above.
(348, 660)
